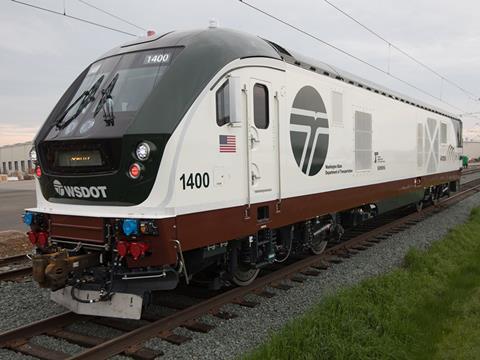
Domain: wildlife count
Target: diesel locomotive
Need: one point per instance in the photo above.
(209, 154)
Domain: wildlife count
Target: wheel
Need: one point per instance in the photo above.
(447, 191)
(435, 198)
(318, 245)
(244, 276)
(319, 242)
(419, 206)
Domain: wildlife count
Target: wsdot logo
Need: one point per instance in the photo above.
(80, 192)
(57, 185)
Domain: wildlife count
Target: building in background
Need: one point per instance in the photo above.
(15, 159)
(471, 149)
(471, 142)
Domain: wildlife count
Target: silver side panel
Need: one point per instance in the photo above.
(121, 305)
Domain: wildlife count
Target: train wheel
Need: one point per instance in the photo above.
(319, 242)
(435, 198)
(244, 276)
(419, 206)
(319, 245)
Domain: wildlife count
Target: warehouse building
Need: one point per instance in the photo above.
(471, 149)
(15, 159)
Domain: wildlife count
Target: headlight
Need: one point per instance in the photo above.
(143, 151)
(33, 154)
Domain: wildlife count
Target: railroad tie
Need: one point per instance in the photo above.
(198, 326)
(173, 338)
(321, 266)
(224, 315)
(39, 352)
(310, 272)
(298, 279)
(281, 286)
(245, 303)
(264, 293)
(143, 353)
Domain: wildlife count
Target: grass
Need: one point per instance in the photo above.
(428, 309)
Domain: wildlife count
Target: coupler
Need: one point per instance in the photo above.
(51, 270)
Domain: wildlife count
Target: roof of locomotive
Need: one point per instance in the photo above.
(231, 44)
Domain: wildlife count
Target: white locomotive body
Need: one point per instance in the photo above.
(236, 154)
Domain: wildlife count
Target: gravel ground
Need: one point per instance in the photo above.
(23, 303)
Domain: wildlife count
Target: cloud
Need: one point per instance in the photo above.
(41, 53)
(12, 134)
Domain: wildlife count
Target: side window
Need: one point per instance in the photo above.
(443, 133)
(457, 125)
(260, 106)
(223, 104)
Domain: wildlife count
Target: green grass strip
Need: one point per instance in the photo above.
(428, 309)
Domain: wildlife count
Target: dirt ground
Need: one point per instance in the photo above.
(13, 243)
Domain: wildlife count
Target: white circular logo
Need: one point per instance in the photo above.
(57, 185)
(309, 131)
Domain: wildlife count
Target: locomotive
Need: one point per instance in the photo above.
(209, 154)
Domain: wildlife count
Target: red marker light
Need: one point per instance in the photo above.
(42, 239)
(151, 32)
(134, 171)
(122, 248)
(32, 237)
(38, 171)
(138, 249)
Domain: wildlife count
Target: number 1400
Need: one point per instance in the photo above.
(197, 180)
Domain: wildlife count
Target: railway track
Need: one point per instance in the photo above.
(136, 333)
(15, 267)
(472, 170)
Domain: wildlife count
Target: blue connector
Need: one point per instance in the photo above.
(28, 218)
(130, 227)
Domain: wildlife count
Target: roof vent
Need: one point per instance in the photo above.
(213, 24)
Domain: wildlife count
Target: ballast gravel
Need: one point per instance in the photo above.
(22, 303)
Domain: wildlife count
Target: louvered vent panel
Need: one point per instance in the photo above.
(337, 109)
(363, 141)
(420, 150)
(431, 145)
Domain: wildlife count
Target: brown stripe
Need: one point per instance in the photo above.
(211, 227)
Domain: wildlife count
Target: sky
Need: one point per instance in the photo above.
(42, 53)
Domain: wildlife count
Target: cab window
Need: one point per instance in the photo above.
(260, 106)
(223, 104)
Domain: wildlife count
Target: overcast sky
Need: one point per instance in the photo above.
(42, 53)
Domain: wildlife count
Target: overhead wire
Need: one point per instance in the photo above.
(365, 62)
(112, 15)
(411, 57)
(74, 18)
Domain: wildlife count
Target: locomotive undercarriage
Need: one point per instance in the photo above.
(240, 261)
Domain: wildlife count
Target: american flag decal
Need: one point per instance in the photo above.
(228, 143)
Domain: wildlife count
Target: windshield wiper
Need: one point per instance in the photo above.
(106, 103)
(86, 98)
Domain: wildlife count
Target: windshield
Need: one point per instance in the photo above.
(121, 85)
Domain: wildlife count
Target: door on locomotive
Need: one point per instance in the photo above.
(263, 120)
